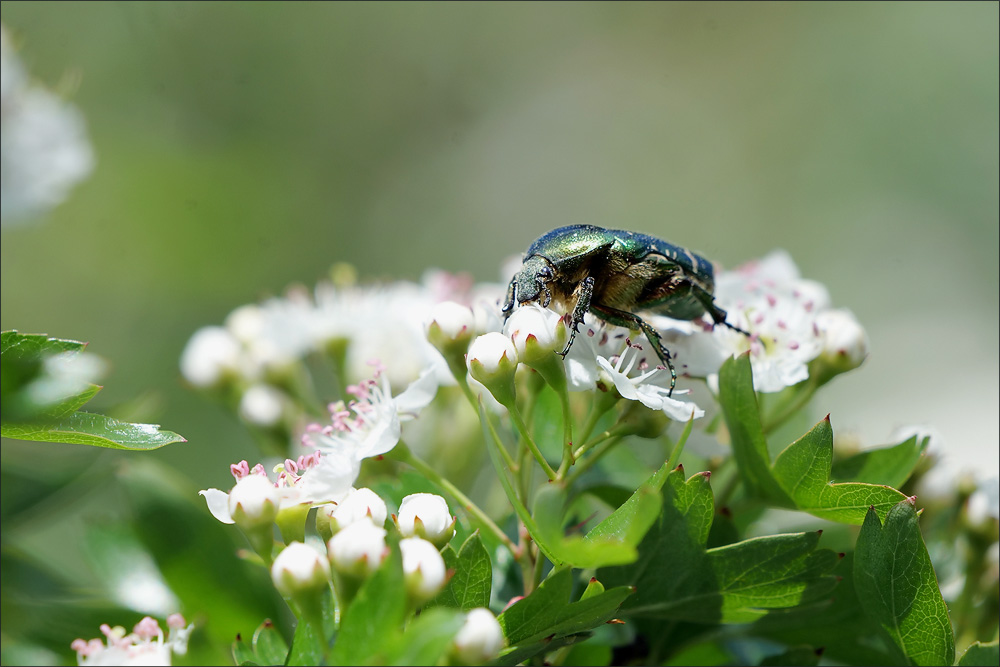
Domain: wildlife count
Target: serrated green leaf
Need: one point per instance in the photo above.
(888, 466)
(426, 639)
(772, 572)
(375, 615)
(897, 587)
(739, 405)
(268, 645)
(803, 471)
(633, 518)
(981, 655)
(84, 428)
(472, 582)
(28, 389)
(546, 613)
(676, 577)
(575, 550)
(840, 625)
(516, 655)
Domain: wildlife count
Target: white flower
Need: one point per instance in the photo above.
(209, 355)
(262, 405)
(311, 480)
(64, 375)
(769, 299)
(480, 638)
(614, 359)
(359, 504)
(423, 568)
(358, 549)
(299, 568)
(43, 144)
(426, 515)
(370, 425)
(385, 323)
(643, 388)
(145, 645)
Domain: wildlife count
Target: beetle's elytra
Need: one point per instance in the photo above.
(613, 273)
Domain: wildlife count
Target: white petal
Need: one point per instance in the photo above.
(218, 504)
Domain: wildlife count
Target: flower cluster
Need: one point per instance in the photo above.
(145, 645)
(44, 150)
(257, 356)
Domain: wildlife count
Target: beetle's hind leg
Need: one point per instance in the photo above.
(718, 315)
(633, 321)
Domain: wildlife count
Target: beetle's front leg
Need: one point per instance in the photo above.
(508, 305)
(582, 308)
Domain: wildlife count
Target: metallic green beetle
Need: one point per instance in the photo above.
(613, 273)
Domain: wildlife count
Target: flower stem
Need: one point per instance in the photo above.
(402, 453)
(522, 429)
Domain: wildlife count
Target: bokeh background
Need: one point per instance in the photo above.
(242, 147)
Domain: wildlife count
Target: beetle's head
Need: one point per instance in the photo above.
(531, 279)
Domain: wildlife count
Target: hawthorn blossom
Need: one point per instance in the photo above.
(313, 479)
(370, 424)
(145, 645)
(603, 356)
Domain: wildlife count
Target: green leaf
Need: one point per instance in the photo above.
(739, 405)
(676, 577)
(889, 466)
(426, 639)
(41, 407)
(269, 646)
(470, 586)
(547, 614)
(576, 550)
(242, 653)
(633, 519)
(85, 428)
(803, 471)
(898, 589)
(839, 626)
(374, 616)
(307, 648)
(981, 655)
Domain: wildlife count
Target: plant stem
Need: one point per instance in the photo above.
(402, 453)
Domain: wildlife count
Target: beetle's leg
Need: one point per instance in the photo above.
(582, 308)
(717, 314)
(616, 316)
(508, 305)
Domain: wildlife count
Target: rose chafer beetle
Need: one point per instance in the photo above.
(612, 273)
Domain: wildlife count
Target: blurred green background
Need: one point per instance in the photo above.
(242, 147)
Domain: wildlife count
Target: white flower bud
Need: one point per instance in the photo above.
(209, 355)
(358, 549)
(536, 333)
(479, 640)
(299, 569)
(254, 502)
(423, 568)
(845, 344)
(426, 515)
(359, 504)
(492, 361)
(450, 323)
(262, 405)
